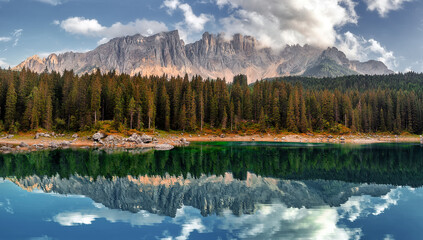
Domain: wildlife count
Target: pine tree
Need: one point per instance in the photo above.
(132, 108)
(224, 118)
(382, 121)
(303, 117)
(11, 98)
(201, 109)
(182, 118)
(290, 118)
(96, 96)
(49, 114)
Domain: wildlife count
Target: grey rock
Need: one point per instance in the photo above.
(212, 56)
(5, 148)
(22, 144)
(210, 194)
(146, 139)
(99, 135)
(75, 135)
(53, 145)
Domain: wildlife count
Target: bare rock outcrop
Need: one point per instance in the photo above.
(213, 56)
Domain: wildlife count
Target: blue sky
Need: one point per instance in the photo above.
(386, 30)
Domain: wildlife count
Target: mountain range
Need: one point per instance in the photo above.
(213, 194)
(213, 56)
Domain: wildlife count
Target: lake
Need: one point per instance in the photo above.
(215, 191)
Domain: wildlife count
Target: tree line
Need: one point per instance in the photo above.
(68, 102)
(393, 164)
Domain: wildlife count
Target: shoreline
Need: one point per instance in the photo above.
(166, 141)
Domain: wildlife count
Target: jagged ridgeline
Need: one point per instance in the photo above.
(68, 102)
(395, 164)
(214, 56)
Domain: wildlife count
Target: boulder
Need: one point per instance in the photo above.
(75, 135)
(184, 141)
(146, 139)
(5, 148)
(53, 145)
(99, 135)
(65, 143)
(22, 144)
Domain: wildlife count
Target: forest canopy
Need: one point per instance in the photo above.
(68, 102)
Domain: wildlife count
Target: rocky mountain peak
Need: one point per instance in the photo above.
(212, 56)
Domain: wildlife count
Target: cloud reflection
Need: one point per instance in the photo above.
(142, 218)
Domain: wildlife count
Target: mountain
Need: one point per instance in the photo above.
(211, 194)
(212, 56)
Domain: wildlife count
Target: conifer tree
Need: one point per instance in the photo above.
(11, 98)
(132, 108)
(96, 96)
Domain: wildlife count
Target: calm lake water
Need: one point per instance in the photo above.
(215, 191)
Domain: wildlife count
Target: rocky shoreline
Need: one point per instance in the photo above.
(143, 142)
(100, 140)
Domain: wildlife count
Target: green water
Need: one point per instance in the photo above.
(397, 164)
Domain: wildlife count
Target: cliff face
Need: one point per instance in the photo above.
(210, 194)
(212, 56)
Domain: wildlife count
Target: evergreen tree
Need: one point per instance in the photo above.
(11, 98)
(132, 108)
(96, 96)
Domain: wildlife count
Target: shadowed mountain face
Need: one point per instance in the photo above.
(209, 194)
(212, 56)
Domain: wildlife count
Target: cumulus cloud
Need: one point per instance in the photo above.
(171, 5)
(359, 48)
(363, 206)
(74, 218)
(383, 7)
(192, 23)
(276, 221)
(92, 28)
(142, 218)
(277, 23)
(51, 2)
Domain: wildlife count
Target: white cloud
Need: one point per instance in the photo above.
(359, 48)
(171, 5)
(92, 28)
(277, 23)
(389, 237)
(17, 35)
(190, 226)
(51, 2)
(142, 218)
(362, 206)
(276, 221)
(192, 23)
(74, 218)
(80, 25)
(383, 7)
(5, 39)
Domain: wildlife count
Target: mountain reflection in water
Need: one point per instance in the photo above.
(226, 190)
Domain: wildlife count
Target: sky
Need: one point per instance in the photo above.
(387, 30)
